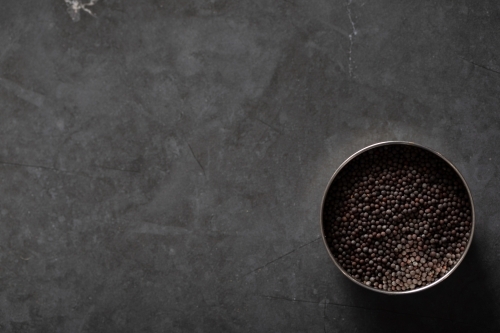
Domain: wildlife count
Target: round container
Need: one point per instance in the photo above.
(322, 222)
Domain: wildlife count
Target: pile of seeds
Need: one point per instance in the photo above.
(397, 218)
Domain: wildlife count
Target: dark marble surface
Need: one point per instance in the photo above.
(162, 163)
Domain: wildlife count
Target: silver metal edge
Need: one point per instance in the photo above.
(385, 143)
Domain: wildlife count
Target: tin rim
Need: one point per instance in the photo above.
(387, 143)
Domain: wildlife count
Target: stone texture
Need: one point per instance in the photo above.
(162, 163)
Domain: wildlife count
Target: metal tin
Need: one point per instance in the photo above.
(385, 143)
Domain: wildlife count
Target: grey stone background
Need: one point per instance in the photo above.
(162, 163)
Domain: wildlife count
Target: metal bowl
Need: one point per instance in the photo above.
(444, 277)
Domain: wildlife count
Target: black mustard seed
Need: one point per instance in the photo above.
(397, 217)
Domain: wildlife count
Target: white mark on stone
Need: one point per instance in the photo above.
(351, 37)
(74, 7)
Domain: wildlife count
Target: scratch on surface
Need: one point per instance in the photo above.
(47, 168)
(162, 230)
(64, 171)
(28, 166)
(198, 161)
(287, 299)
(115, 169)
(281, 257)
(74, 7)
(270, 126)
(478, 65)
(41, 167)
(351, 37)
(84, 320)
(24, 94)
(324, 315)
